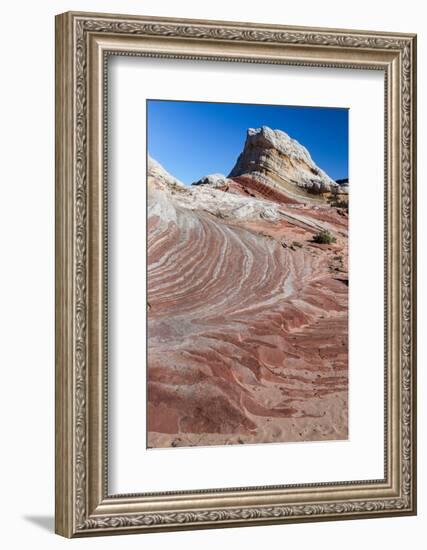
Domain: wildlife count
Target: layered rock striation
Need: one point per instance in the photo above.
(247, 313)
(272, 157)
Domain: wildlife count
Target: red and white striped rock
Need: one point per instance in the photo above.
(274, 158)
(247, 316)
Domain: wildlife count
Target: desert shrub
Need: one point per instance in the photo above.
(324, 237)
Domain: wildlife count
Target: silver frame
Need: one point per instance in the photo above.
(83, 43)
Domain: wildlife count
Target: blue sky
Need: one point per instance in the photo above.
(193, 139)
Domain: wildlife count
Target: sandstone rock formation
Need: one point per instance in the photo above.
(247, 314)
(214, 180)
(274, 158)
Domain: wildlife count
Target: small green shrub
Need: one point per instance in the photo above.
(324, 237)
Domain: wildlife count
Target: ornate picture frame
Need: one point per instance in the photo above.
(84, 42)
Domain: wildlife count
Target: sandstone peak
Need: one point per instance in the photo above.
(277, 139)
(276, 159)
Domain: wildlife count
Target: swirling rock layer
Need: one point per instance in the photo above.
(247, 316)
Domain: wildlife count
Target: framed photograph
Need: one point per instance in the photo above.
(235, 274)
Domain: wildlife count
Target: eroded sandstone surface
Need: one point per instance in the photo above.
(247, 313)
